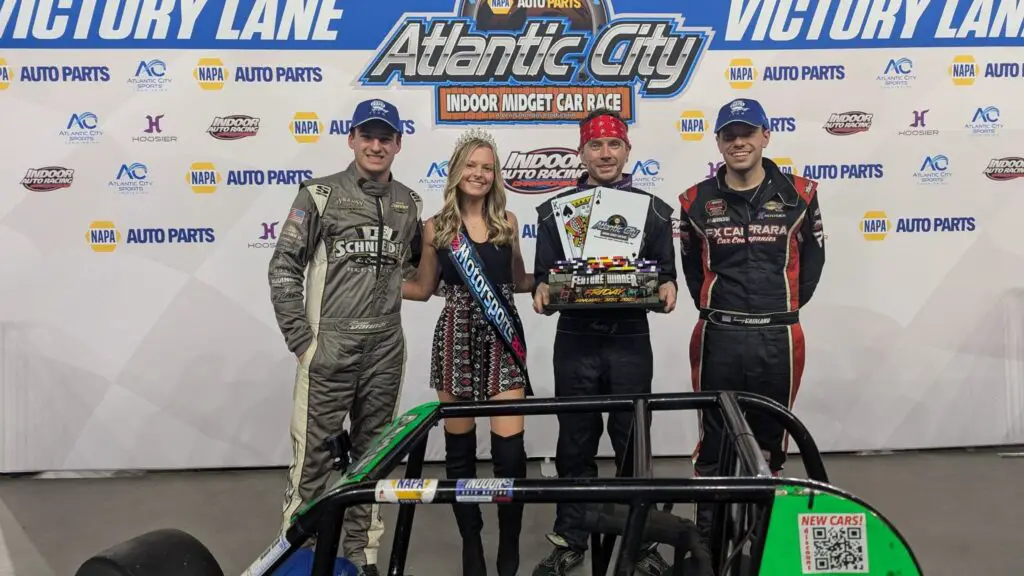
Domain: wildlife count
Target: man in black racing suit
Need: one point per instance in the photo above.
(602, 351)
(359, 233)
(753, 250)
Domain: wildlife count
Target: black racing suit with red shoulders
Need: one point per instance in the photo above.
(599, 352)
(751, 260)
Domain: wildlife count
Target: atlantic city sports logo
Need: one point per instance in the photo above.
(512, 61)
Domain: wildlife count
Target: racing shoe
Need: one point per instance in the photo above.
(560, 561)
(460, 462)
(509, 456)
(651, 563)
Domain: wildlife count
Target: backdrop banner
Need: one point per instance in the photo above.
(153, 150)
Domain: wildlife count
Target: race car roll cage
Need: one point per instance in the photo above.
(750, 481)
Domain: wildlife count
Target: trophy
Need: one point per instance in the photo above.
(601, 231)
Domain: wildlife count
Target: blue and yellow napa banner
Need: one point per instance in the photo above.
(362, 25)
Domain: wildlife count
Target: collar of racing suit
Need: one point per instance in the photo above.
(624, 184)
(778, 183)
(371, 187)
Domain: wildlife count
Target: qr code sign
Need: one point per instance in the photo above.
(834, 543)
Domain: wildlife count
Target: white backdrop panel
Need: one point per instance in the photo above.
(167, 355)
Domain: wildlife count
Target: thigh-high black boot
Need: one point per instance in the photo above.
(460, 462)
(509, 457)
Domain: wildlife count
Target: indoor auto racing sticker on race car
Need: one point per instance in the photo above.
(486, 490)
(406, 491)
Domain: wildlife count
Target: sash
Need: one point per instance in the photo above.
(492, 302)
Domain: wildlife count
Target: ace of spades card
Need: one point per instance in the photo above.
(572, 214)
(617, 222)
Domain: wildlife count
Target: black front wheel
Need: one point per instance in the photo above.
(166, 552)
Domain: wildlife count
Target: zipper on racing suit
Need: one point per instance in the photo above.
(380, 233)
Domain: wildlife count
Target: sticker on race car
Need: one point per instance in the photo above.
(406, 491)
(484, 490)
(834, 543)
(267, 559)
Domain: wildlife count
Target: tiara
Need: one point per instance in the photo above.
(476, 134)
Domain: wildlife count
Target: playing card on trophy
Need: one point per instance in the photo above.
(616, 226)
(602, 233)
(572, 213)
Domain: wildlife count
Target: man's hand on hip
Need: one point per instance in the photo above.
(667, 294)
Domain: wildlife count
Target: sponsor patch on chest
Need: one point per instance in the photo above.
(351, 203)
(726, 235)
(715, 207)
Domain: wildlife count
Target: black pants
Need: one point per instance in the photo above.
(593, 358)
(768, 361)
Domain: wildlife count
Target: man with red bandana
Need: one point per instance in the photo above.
(599, 351)
(753, 250)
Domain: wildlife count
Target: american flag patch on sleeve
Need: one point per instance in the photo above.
(297, 215)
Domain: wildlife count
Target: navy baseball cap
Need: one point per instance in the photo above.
(376, 109)
(742, 110)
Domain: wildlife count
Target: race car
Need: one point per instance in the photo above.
(763, 525)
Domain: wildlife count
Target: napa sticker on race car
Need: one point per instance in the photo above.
(406, 491)
(537, 61)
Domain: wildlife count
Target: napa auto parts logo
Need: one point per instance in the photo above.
(537, 61)
(542, 170)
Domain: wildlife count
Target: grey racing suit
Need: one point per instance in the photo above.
(359, 239)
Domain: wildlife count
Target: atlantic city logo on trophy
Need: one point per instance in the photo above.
(538, 61)
(616, 228)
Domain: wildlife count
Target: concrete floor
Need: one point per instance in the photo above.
(960, 511)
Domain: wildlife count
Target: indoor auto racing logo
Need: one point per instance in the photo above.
(48, 179)
(233, 127)
(507, 62)
(847, 123)
(542, 170)
(1003, 169)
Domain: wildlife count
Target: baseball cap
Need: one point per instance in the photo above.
(742, 110)
(376, 109)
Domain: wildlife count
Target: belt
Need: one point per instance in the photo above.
(749, 320)
(362, 325)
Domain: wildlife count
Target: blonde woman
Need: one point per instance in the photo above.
(472, 243)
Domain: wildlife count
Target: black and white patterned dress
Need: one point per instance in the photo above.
(469, 360)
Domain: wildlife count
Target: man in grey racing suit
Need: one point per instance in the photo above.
(358, 231)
